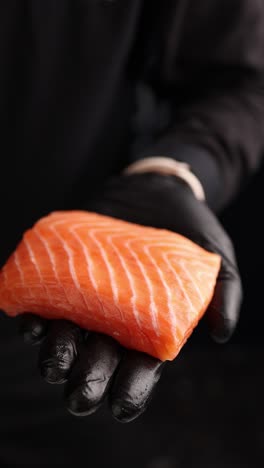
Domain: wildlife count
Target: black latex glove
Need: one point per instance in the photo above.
(93, 365)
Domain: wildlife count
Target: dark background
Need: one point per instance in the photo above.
(243, 220)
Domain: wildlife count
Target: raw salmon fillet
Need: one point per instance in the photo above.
(145, 287)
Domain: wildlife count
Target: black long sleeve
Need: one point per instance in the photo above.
(209, 65)
(68, 75)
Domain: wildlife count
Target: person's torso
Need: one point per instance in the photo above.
(66, 97)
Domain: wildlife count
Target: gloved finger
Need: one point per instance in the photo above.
(32, 328)
(223, 312)
(91, 375)
(134, 385)
(59, 351)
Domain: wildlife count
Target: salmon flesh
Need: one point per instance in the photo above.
(145, 287)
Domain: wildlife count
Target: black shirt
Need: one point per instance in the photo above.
(71, 76)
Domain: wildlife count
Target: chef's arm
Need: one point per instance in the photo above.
(213, 78)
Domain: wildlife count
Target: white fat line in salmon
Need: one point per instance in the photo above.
(153, 307)
(53, 264)
(173, 324)
(70, 261)
(188, 273)
(118, 233)
(92, 234)
(36, 266)
(179, 281)
(90, 266)
(21, 275)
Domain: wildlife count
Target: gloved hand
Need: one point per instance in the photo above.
(92, 365)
